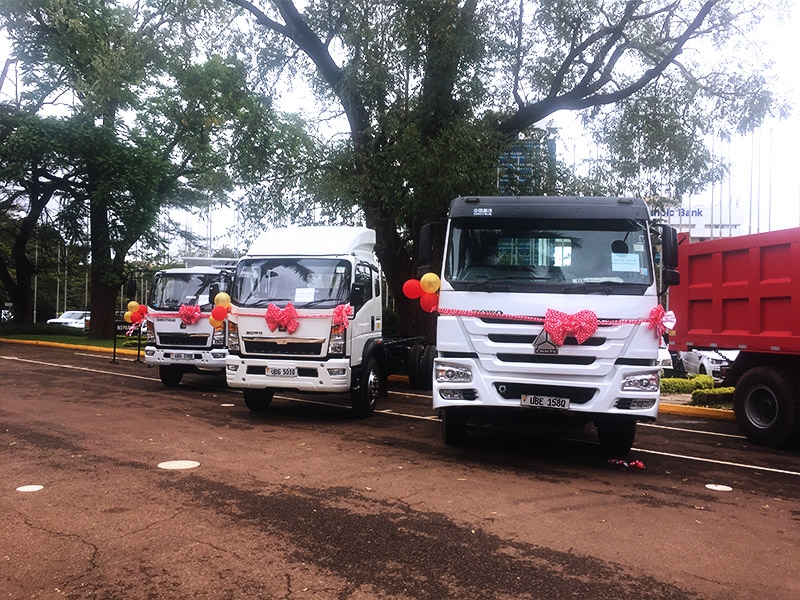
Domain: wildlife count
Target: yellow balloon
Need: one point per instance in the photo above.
(222, 299)
(429, 282)
(133, 306)
(214, 322)
(127, 316)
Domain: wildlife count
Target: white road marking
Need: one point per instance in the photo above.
(727, 435)
(718, 462)
(76, 368)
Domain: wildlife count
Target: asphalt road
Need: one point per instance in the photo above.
(307, 502)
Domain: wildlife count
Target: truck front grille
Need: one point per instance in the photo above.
(275, 348)
(183, 339)
(514, 391)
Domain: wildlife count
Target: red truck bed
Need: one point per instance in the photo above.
(739, 293)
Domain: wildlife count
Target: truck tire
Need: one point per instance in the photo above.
(170, 375)
(454, 425)
(257, 400)
(426, 367)
(616, 435)
(366, 395)
(766, 406)
(413, 367)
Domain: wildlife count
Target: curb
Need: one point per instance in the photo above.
(718, 414)
(126, 351)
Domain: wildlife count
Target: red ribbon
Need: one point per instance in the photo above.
(282, 317)
(559, 325)
(342, 314)
(189, 314)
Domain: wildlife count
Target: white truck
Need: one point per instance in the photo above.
(306, 315)
(180, 336)
(549, 310)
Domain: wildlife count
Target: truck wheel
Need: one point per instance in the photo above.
(257, 400)
(454, 425)
(366, 395)
(170, 375)
(766, 405)
(616, 435)
(426, 367)
(413, 366)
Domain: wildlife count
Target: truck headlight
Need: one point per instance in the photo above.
(233, 336)
(337, 343)
(453, 373)
(219, 335)
(151, 333)
(648, 382)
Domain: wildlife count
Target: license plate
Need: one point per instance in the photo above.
(183, 355)
(282, 372)
(544, 401)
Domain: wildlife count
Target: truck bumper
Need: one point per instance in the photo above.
(585, 395)
(205, 359)
(304, 375)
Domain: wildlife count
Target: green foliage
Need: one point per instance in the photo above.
(717, 397)
(675, 385)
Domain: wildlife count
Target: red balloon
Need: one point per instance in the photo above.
(412, 289)
(143, 309)
(219, 313)
(429, 301)
(136, 317)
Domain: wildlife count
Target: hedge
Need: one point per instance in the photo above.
(675, 385)
(715, 397)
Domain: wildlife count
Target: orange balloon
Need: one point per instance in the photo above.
(430, 283)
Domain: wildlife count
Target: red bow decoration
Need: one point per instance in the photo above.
(559, 325)
(661, 320)
(342, 314)
(282, 317)
(189, 314)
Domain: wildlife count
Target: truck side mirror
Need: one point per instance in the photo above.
(670, 277)
(357, 295)
(425, 249)
(669, 248)
(213, 290)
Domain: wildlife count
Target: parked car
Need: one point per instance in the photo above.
(708, 362)
(72, 318)
(665, 362)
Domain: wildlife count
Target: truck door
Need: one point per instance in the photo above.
(366, 323)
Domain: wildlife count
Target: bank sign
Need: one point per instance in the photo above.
(703, 220)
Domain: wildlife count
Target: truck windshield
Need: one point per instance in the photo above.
(170, 290)
(578, 256)
(305, 282)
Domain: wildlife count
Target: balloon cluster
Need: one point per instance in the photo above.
(425, 288)
(135, 313)
(222, 304)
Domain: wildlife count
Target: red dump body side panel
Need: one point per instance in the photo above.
(739, 293)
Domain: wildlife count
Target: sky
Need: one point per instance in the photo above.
(762, 192)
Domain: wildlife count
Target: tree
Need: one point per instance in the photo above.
(434, 90)
(151, 126)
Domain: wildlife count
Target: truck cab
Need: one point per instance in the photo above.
(180, 336)
(306, 315)
(548, 308)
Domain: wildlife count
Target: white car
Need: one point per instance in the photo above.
(72, 318)
(665, 362)
(708, 362)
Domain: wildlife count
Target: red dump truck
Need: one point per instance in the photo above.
(743, 293)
